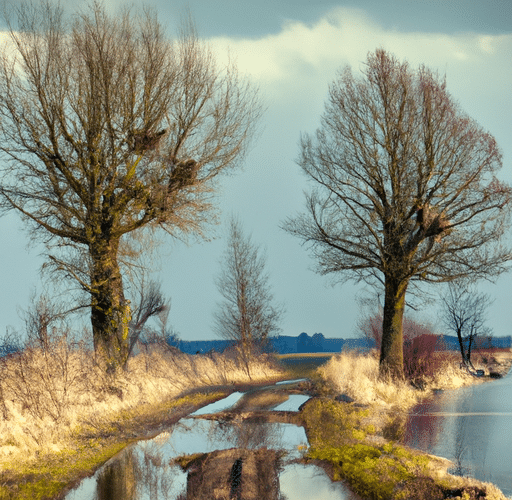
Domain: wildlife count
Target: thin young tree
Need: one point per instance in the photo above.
(108, 126)
(248, 314)
(406, 189)
(464, 313)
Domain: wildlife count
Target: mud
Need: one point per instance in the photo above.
(245, 473)
(237, 452)
(234, 474)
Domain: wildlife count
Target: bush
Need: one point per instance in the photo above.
(44, 379)
(423, 357)
(421, 346)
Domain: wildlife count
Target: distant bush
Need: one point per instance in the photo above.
(424, 357)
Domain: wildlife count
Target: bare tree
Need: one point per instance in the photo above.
(464, 313)
(107, 127)
(247, 314)
(151, 303)
(406, 189)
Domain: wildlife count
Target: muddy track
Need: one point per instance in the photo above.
(244, 473)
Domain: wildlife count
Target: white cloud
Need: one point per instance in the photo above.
(295, 66)
(486, 44)
(345, 36)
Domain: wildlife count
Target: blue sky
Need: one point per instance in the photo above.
(292, 50)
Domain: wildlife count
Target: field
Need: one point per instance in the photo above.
(304, 365)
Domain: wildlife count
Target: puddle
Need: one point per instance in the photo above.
(147, 471)
(148, 464)
(309, 482)
(221, 405)
(191, 436)
(293, 403)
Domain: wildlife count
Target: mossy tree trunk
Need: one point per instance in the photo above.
(110, 311)
(392, 352)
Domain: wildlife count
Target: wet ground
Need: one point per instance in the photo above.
(248, 445)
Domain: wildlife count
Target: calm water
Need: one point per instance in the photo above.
(146, 470)
(470, 426)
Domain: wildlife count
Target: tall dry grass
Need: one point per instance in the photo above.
(357, 375)
(52, 392)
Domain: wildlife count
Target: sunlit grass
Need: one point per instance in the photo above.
(359, 441)
(88, 415)
(357, 376)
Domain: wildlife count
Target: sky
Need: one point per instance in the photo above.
(292, 51)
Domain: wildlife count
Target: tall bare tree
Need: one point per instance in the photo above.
(248, 314)
(464, 313)
(406, 189)
(108, 126)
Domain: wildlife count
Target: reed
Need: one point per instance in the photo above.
(51, 394)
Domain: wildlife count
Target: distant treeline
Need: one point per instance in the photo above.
(284, 344)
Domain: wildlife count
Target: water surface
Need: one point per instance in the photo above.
(146, 470)
(472, 427)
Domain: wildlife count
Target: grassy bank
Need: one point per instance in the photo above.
(358, 441)
(303, 365)
(63, 417)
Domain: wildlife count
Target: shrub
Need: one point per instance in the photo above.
(52, 391)
(422, 348)
(423, 357)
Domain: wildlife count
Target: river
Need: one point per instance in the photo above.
(472, 427)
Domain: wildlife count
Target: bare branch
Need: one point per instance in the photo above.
(247, 314)
(107, 127)
(406, 188)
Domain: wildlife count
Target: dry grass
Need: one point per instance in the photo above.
(357, 376)
(50, 397)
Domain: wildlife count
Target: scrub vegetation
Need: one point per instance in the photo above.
(62, 415)
(359, 440)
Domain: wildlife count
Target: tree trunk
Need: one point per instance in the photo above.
(461, 344)
(110, 312)
(392, 348)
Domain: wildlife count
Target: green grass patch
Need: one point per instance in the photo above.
(337, 434)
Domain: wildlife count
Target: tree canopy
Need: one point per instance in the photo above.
(406, 189)
(108, 126)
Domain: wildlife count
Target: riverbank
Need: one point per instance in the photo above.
(359, 444)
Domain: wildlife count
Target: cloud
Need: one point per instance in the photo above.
(295, 66)
(311, 53)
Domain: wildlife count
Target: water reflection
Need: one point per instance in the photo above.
(117, 479)
(147, 470)
(293, 403)
(221, 405)
(191, 436)
(308, 482)
(471, 427)
(235, 456)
